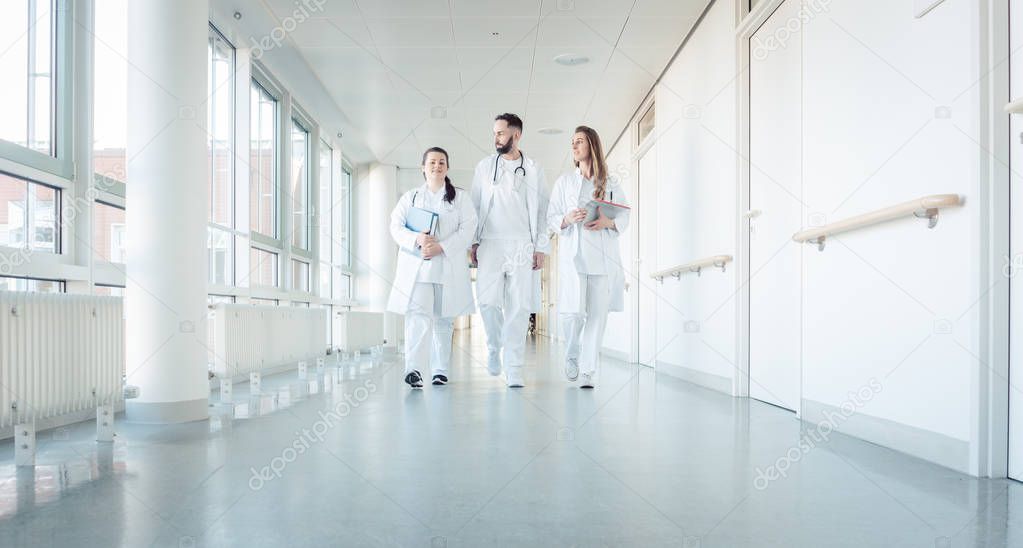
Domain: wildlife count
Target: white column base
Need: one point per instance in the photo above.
(226, 390)
(25, 444)
(105, 423)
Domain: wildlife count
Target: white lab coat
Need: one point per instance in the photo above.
(565, 197)
(455, 230)
(533, 188)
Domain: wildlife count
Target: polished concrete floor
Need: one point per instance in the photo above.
(643, 460)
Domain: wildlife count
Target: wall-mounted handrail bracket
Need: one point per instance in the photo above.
(819, 242)
(931, 214)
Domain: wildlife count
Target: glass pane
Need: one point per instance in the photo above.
(263, 162)
(299, 186)
(323, 213)
(108, 290)
(108, 234)
(13, 211)
(262, 268)
(341, 217)
(27, 67)
(43, 218)
(215, 299)
(257, 300)
(220, 136)
(342, 284)
(110, 101)
(29, 284)
(300, 275)
(220, 244)
(325, 273)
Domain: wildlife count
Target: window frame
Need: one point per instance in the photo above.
(61, 163)
(302, 120)
(261, 77)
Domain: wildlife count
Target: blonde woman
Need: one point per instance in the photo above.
(591, 277)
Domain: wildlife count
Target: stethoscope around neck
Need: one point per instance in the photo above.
(521, 168)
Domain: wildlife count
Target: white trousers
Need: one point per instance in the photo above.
(504, 285)
(584, 332)
(427, 334)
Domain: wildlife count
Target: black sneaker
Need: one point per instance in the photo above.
(414, 379)
(439, 380)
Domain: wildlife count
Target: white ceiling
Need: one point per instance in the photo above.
(387, 63)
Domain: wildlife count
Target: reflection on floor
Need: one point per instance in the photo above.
(643, 460)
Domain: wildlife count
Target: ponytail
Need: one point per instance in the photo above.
(449, 190)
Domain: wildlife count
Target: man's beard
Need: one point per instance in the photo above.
(505, 148)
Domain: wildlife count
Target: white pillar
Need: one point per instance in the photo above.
(167, 210)
(374, 256)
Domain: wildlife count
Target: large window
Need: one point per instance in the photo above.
(28, 63)
(28, 215)
(263, 161)
(110, 86)
(334, 218)
(109, 239)
(220, 154)
(324, 216)
(299, 185)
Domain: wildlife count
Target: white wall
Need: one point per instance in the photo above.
(894, 302)
(695, 196)
(893, 109)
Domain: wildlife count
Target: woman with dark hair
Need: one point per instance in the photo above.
(431, 286)
(588, 211)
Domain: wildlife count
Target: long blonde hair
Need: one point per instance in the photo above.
(598, 164)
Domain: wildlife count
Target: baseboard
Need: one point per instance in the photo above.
(917, 442)
(700, 378)
(615, 354)
(50, 423)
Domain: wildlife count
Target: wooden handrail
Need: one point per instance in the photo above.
(718, 261)
(925, 207)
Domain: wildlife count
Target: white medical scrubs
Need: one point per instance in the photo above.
(505, 278)
(427, 332)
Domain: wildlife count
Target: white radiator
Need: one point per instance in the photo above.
(252, 338)
(361, 330)
(59, 354)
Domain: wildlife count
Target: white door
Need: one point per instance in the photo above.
(775, 187)
(647, 216)
(1016, 248)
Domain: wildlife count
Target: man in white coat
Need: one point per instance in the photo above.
(510, 194)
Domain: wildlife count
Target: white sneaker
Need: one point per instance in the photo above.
(587, 381)
(572, 369)
(515, 379)
(494, 363)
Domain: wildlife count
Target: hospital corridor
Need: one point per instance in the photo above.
(537, 273)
